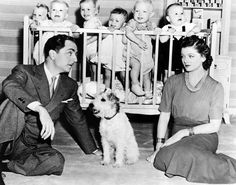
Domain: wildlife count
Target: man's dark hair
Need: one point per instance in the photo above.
(56, 43)
(120, 11)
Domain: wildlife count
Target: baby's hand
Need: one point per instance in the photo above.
(157, 31)
(111, 29)
(190, 33)
(171, 30)
(74, 28)
(143, 45)
(34, 24)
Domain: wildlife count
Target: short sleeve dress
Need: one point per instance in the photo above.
(135, 53)
(194, 157)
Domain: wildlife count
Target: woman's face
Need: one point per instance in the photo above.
(192, 59)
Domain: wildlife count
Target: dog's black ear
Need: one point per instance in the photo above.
(113, 98)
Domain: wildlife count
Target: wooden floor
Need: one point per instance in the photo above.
(81, 169)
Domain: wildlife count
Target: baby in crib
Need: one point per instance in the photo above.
(142, 12)
(177, 23)
(117, 20)
(58, 13)
(89, 10)
(39, 14)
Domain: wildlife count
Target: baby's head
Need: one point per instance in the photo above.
(40, 12)
(175, 14)
(59, 10)
(143, 11)
(117, 19)
(89, 9)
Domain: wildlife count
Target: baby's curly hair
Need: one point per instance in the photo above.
(201, 47)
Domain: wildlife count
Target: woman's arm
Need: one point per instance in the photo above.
(211, 127)
(162, 124)
(161, 132)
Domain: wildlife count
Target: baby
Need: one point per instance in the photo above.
(117, 19)
(143, 11)
(89, 10)
(58, 13)
(177, 23)
(40, 13)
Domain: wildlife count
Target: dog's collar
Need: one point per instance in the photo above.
(108, 118)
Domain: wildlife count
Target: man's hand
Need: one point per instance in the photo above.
(48, 129)
(97, 152)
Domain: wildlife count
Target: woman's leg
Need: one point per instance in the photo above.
(195, 159)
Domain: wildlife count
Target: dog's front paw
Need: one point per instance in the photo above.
(117, 165)
(103, 162)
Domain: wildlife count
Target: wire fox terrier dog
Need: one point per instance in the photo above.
(115, 129)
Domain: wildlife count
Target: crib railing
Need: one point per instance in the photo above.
(138, 107)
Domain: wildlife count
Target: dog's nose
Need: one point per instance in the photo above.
(91, 106)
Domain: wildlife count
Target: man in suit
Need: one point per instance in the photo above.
(34, 102)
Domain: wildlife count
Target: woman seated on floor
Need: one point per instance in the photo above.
(195, 101)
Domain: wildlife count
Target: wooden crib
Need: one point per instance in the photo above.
(136, 106)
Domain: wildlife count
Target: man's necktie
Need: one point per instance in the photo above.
(52, 84)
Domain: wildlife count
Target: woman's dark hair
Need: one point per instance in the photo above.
(56, 43)
(201, 47)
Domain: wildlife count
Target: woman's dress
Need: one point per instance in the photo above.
(194, 157)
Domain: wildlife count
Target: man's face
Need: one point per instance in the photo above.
(58, 12)
(66, 57)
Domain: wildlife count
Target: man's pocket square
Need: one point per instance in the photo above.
(67, 101)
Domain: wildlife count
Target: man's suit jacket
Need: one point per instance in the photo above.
(29, 83)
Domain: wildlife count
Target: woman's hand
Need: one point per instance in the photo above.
(176, 137)
(153, 155)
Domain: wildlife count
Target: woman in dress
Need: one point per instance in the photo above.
(195, 101)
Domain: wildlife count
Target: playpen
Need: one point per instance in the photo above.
(129, 102)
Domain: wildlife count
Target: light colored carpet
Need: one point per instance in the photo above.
(81, 169)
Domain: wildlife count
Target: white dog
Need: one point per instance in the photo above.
(115, 129)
